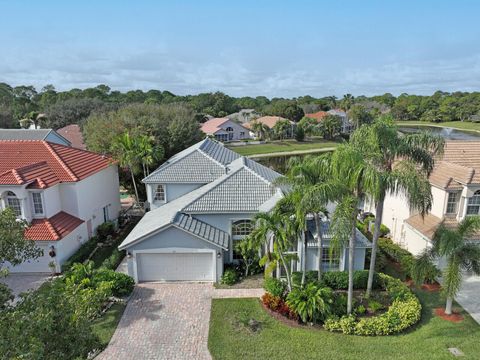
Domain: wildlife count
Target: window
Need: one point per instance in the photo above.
(14, 203)
(221, 137)
(242, 133)
(241, 228)
(452, 202)
(159, 193)
(37, 203)
(331, 261)
(473, 205)
(105, 214)
(229, 129)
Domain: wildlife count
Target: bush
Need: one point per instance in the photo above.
(275, 287)
(81, 254)
(105, 229)
(229, 277)
(374, 306)
(339, 306)
(360, 310)
(338, 280)
(277, 304)
(114, 259)
(299, 134)
(122, 284)
(311, 303)
(404, 312)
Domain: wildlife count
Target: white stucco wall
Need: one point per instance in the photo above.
(173, 238)
(69, 198)
(237, 130)
(439, 204)
(52, 203)
(414, 241)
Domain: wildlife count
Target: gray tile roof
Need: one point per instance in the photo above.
(241, 191)
(200, 163)
(265, 172)
(361, 240)
(24, 134)
(201, 229)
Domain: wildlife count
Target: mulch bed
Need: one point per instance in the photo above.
(285, 320)
(432, 287)
(455, 317)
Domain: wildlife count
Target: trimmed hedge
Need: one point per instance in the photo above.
(397, 254)
(337, 280)
(404, 312)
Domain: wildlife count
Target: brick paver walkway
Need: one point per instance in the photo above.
(167, 321)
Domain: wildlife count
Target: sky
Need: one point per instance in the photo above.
(244, 47)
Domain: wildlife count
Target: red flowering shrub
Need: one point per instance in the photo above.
(275, 303)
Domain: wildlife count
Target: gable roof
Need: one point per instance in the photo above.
(317, 115)
(200, 163)
(213, 125)
(74, 135)
(269, 121)
(201, 229)
(459, 164)
(42, 164)
(54, 228)
(29, 134)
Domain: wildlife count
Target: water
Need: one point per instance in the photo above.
(280, 163)
(447, 133)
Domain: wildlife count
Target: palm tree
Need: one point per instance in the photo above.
(347, 102)
(127, 153)
(32, 118)
(277, 229)
(260, 129)
(148, 152)
(280, 129)
(403, 164)
(460, 254)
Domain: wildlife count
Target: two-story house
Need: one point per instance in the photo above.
(202, 201)
(455, 184)
(225, 129)
(64, 193)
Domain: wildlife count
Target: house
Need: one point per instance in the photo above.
(347, 125)
(455, 184)
(74, 135)
(49, 135)
(225, 129)
(244, 116)
(319, 115)
(270, 122)
(202, 200)
(62, 192)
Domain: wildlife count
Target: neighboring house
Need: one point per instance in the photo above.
(74, 135)
(347, 126)
(63, 192)
(203, 200)
(224, 129)
(319, 115)
(49, 135)
(270, 122)
(244, 115)
(455, 183)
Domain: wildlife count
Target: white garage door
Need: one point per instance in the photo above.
(175, 267)
(34, 265)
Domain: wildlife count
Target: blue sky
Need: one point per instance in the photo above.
(273, 48)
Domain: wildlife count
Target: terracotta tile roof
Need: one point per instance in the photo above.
(429, 224)
(213, 125)
(41, 164)
(460, 163)
(73, 134)
(270, 121)
(54, 228)
(319, 115)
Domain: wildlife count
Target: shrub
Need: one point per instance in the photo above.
(374, 306)
(338, 280)
(339, 306)
(299, 134)
(397, 254)
(114, 259)
(360, 310)
(404, 312)
(105, 229)
(311, 303)
(122, 284)
(275, 287)
(81, 254)
(277, 304)
(229, 277)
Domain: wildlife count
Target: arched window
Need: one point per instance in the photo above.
(473, 205)
(241, 228)
(159, 193)
(14, 203)
(229, 129)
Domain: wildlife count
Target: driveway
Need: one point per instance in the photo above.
(469, 296)
(19, 283)
(167, 321)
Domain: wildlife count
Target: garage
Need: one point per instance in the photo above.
(176, 266)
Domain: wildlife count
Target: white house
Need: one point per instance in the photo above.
(202, 200)
(347, 125)
(455, 183)
(225, 129)
(63, 192)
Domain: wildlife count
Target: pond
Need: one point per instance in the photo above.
(280, 163)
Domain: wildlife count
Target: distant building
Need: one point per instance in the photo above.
(270, 122)
(244, 115)
(347, 126)
(34, 134)
(73, 134)
(319, 115)
(225, 129)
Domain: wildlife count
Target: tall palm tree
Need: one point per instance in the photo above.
(148, 152)
(460, 254)
(260, 129)
(403, 164)
(347, 101)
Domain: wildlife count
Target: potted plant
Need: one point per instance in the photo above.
(53, 267)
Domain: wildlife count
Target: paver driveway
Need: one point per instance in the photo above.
(167, 321)
(20, 283)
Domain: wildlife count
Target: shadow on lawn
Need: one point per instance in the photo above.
(142, 305)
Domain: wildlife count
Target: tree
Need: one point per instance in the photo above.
(33, 118)
(280, 129)
(287, 109)
(260, 129)
(330, 126)
(402, 163)
(461, 255)
(248, 250)
(148, 152)
(359, 115)
(347, 102)
(309, 125)
(14, 248)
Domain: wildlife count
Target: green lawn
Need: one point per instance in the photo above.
(229, 339)
(105, 326)
(460, 125)
(283, 146)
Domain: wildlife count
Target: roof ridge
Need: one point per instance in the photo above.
(52, 230)
(17, 176)
(248, 168)
(59, 159)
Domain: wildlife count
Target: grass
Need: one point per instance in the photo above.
(284, 146)
(105, 326)
(460, 125)
(229, 339)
